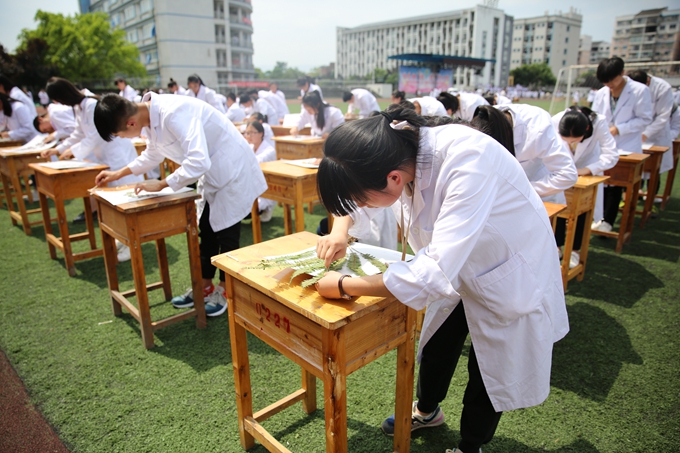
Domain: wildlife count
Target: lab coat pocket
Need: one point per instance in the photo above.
(219, 174)
(623, 114)
(510, 290)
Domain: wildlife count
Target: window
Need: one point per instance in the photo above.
(221, 55)
(566, 40)
(132, 36)
(130, 12)
(218, 7)
(145, 6)
(219, 34)
(565, 51)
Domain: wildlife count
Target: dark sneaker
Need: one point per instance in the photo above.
(216, 302)
(436, 418)
(186, 300)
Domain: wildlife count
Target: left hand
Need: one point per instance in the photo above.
(644, 138)
(66, 155)
(614, 131)
(328, 285)
(584, 171)
(152, 185)
(4, 134)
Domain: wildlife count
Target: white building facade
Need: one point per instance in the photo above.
(212, 38)
(592, 52)
(649, 36)
(551, 39)
(479, 32)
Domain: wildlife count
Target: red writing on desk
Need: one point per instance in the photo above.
(272, 317)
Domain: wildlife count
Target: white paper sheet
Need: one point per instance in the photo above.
(36, 144)
(312, 162)
(127, 195)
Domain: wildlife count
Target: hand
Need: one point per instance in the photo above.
(644, 138)
(4, 134)
(66, 155)
(105, 176)
(48, 153)
(49, 137)
(331, 247)
(293, 131)
(614, 131)
(328, 285)
(584, 171)
(152, 185)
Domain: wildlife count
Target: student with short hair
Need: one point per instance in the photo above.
(16, 117)
(627, 107)
(306, 85)
(398, 96)
(59, 122)
(176, 88)
(361, 100)
(265, 151)
(234, 111)
(429, 106)
(252, 104)
(126, 90)
(8, 87)
(462, 105)
(198, 90)
(276, 99)
(210, 151)
(485, 262)
(322, 117)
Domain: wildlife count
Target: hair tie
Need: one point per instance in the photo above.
(387, 115)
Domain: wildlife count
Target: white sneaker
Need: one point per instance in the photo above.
(575, 259)
(124, 254)
(216, 302)
(603, 226)
(266, 214)
(119, 245)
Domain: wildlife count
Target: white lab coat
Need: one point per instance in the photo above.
(468, 103)
(20, 124)
(430, 106)
(235, 113)
(265, 153)
(209, 149)
(44, 98)
(333, 118)
(277, 102)
(265, 108)
(502, 100)
(545, 158)
(312, 87)
(18, 94)
(180, 90)
(632, 114)
(364, 102)
(62, 120)
(597, 153)
(658, 132)
(128, 93)
(207, 95)
(86, 144)
(675, 122)
(481, 233)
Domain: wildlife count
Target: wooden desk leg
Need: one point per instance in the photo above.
(649, 200)
(404, 392)
(110, 262)
(65, 238)
(7, 189)
(162, 254)
(335, 390)
(89, 223)
(570, 236)
(29, 192)
(139, 275)
(309, 386)
(287, 220)
(628, 215)
(16, 182)
(585, 241)
(256, 224)
(240, 362)
(47, 223)
(195, 265)
(299, 208)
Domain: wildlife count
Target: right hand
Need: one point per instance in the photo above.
(105, 176)
(48, 153)
(293, 131)
(49, 137)
(331, 247)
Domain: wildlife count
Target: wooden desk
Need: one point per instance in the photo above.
(9, 143)
(652, 165)
(62, 185)
(151, 219)
(290, 185)
(553, 209)
(580, 200)
(290, 147)
(671, 176)
(327, 339)
(166, 165)
(14, 166)
(280, 131)
(627, 173)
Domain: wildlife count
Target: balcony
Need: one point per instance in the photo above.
(244, 23)
(239, 44)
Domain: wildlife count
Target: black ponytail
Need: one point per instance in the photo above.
(449, 101)
(6, 104)
(577, 122)
(493, 123)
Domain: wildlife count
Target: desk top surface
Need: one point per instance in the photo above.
(281, 168)
(67, 171)
(9, 143)
(554, 208)
(274, 282)
(656, 149)
(589, 181)
(633, 158)
(13, 151)
(147, 203)
(299, 139)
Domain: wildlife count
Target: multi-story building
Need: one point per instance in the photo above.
(651, 35)
(479, 32)
(175, 39)
(592, 52)
(551, 39)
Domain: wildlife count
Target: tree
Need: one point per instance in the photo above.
(84, 46)
(535, 75)
(28, 67)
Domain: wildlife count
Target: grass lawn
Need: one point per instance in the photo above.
(615, 382)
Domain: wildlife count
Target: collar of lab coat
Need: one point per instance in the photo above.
(153, 131)
(519, 128)
(625, 97)
(424, 171)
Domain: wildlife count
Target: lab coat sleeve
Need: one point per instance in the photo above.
(305, 118)
(25, 130)
(335, 119)
(470, 194)
(150, 159)
(642, 115)
(675, 124)
(598, 103)
(609, 154)
(76, 137)
(191, 137)
(662, 113)
(91, 138)
(213, 100)
(557, 159)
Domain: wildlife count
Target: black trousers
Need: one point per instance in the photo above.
(215, 242)
(479, 420)
(561, 231)
(612, 198)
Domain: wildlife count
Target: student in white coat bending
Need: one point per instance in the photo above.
(176, 88)
(461, 106)
(16, 117)
(362, 101)
(199, 91)
(59, 122)
(322, 117)
(234, 111)
(211, 152)
(627, 106)
(469, 211)
(594, 150)
(429, 106)
(276, 99)
(264, 152)
(307, 86)
(8, 87)
(126, 90)
(250, 104)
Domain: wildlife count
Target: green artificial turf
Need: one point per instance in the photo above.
(615, 382)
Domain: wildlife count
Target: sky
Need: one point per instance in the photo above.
(302, 33)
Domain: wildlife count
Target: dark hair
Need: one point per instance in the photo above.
(302, 81)
(449, 101)
(258, 127)
(64, 92)
(118, 80)
(244, 99)
(231, 96)
(639, 76)
(6, 104)
(172, 83)
(7, 83)
(36, 123)
(399, 95)
(609, 69)
(273, 83)
(259, 117)
(577, 122)
(493, 123)
(313, 100)
(407, 104)
(490, 99)
(358, 156)
(111, 113)
(194, 78)
(346, 96)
